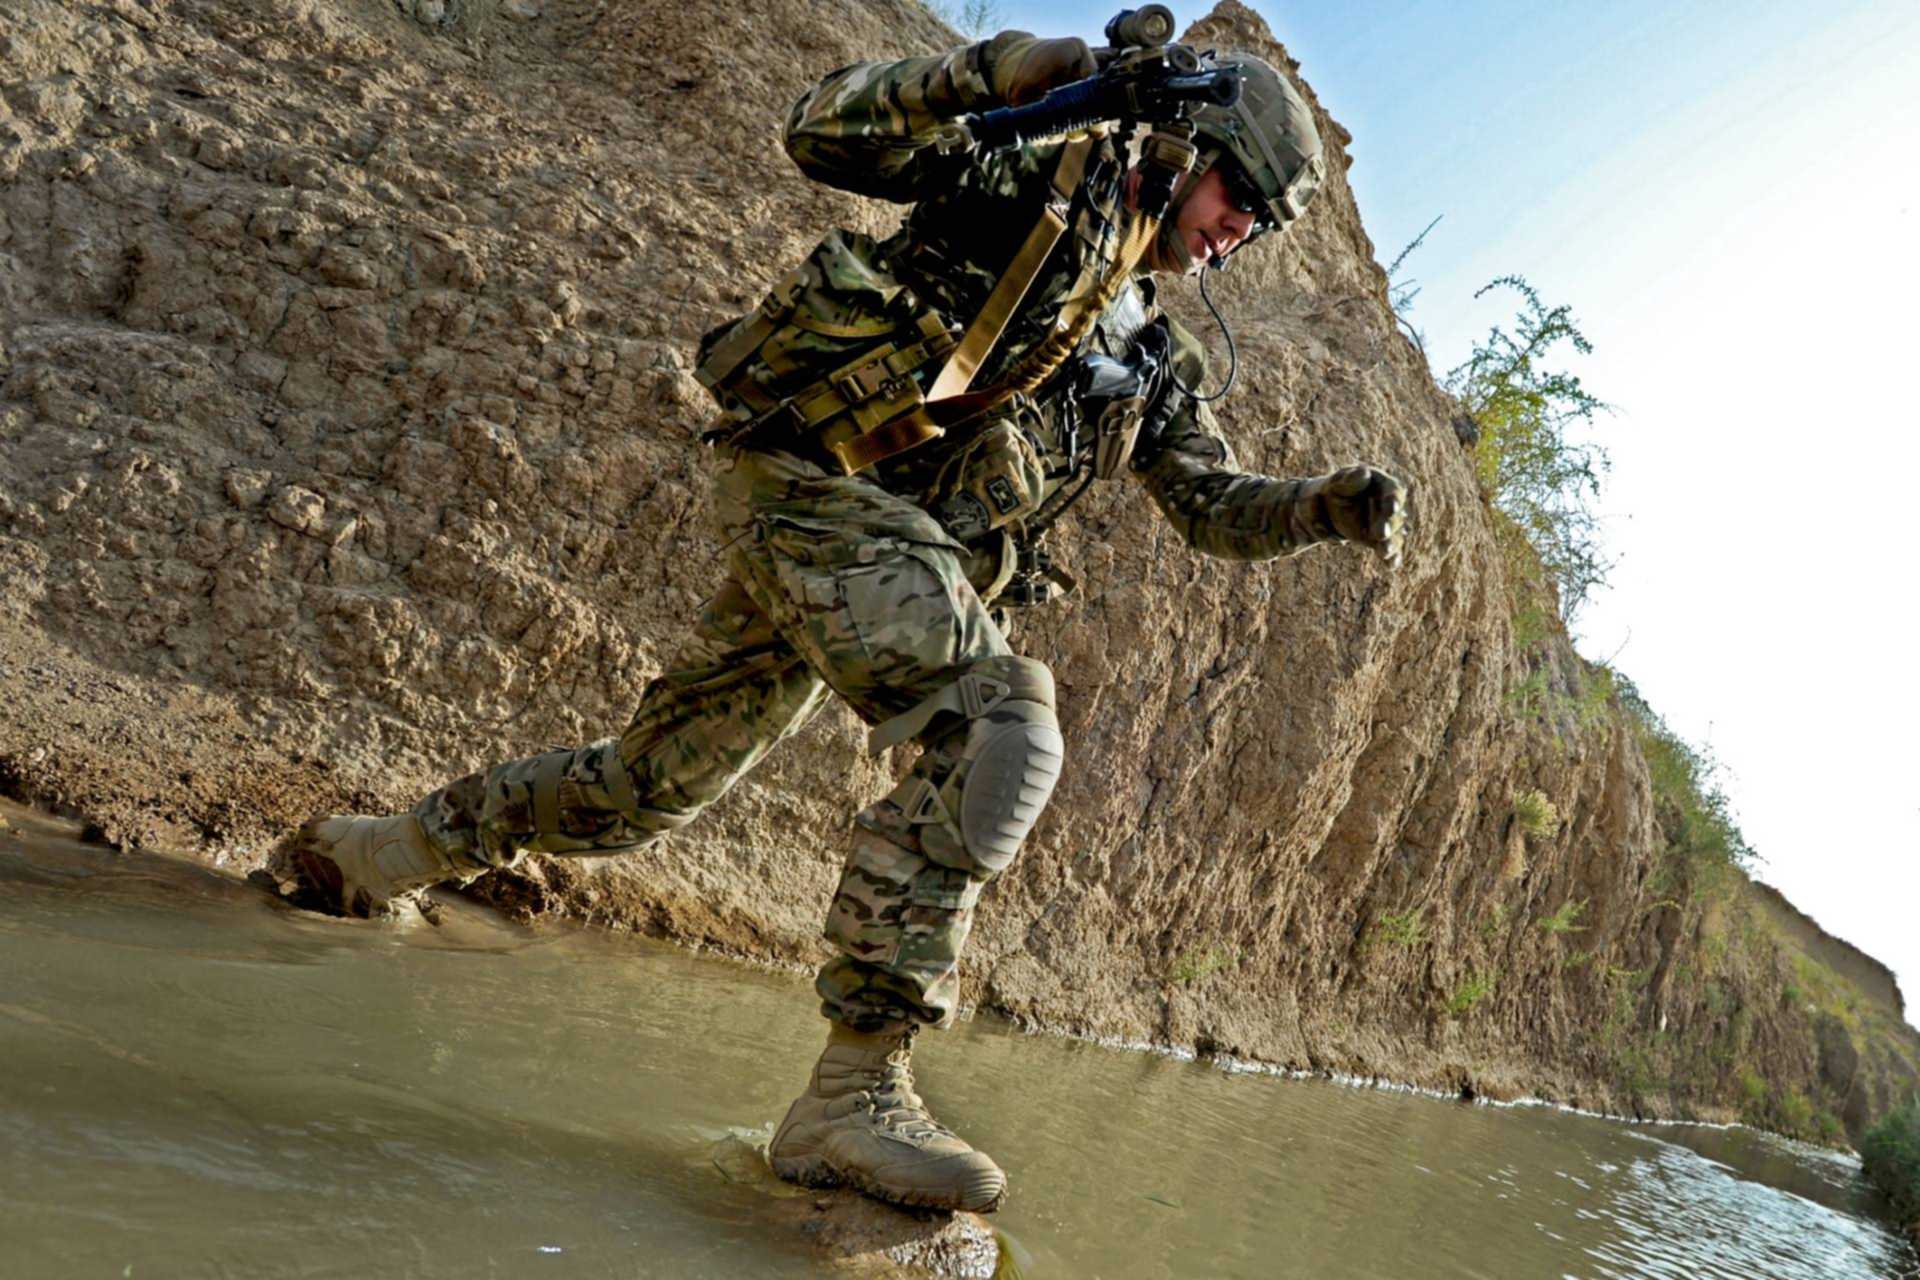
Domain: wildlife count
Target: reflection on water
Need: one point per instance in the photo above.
(194, 1080)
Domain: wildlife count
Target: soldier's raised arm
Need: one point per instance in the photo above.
(867, 128)
(1222, 511)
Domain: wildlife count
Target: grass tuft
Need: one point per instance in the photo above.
(1402, 929)
(1196, 963)
(1496, 921)
(1474, 988)
(1565, 920)
(1536, 814)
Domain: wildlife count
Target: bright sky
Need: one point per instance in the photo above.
(1727, 196)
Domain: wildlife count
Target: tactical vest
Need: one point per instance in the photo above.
(843, 361)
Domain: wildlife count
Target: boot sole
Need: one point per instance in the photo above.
(814, 1171)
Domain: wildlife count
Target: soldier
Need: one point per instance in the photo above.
(867, 542)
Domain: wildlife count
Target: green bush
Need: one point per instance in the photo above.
(1794, 1111)
(1890, 1155)
(1536, 814)
(1692, 807)
(1540, 483)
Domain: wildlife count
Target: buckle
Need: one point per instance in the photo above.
(920, 800)
(780, 299)
(977, 702)
(864, 381)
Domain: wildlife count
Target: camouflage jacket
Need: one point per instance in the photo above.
(868, 129)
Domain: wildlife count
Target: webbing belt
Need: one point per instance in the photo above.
(871, 375)
(977, 692)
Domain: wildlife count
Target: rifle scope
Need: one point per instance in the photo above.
(1148, 25)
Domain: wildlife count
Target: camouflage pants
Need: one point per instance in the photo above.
(836, 585)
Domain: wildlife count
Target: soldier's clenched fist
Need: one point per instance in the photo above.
(1021, 67)
(1365, 505)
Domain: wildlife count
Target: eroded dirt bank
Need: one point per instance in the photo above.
(346, 444)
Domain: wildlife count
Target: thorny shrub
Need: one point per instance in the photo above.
(1539, 482)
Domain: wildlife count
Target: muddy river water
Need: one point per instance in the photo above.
(197, 1082)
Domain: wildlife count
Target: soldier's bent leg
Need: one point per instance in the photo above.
(921, 855)
(893, 626)
(901, 915)
(734, 691)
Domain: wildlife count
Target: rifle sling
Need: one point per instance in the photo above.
(957, 375)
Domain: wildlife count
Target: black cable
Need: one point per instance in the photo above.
(1233, 355)
(1055, 507)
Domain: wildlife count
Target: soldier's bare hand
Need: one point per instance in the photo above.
(1022, 67)
(1368, 506)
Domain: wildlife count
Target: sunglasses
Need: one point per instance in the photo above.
(1245, 196)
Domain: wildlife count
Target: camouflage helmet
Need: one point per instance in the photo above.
(1270, 135)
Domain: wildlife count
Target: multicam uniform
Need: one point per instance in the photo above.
(849, 583)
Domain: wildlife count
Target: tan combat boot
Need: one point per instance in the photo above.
(860, 1122)
(355, 866)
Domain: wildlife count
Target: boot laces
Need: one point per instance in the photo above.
(893, 1102)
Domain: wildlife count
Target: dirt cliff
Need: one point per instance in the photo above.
(347, 444)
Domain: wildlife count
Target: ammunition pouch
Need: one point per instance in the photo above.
(863, 412)
(873, 407)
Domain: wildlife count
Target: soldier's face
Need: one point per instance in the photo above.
(1210, 224)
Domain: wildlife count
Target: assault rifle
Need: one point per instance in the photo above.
(1142, 79)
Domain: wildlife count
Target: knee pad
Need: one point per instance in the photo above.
(1014, 767)
(975, 802)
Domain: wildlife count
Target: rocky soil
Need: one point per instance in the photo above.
(347, 444)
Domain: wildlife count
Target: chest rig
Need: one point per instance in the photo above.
(914, 382)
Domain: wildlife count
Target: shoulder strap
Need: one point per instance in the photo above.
(957, 375)
(1077, 318)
